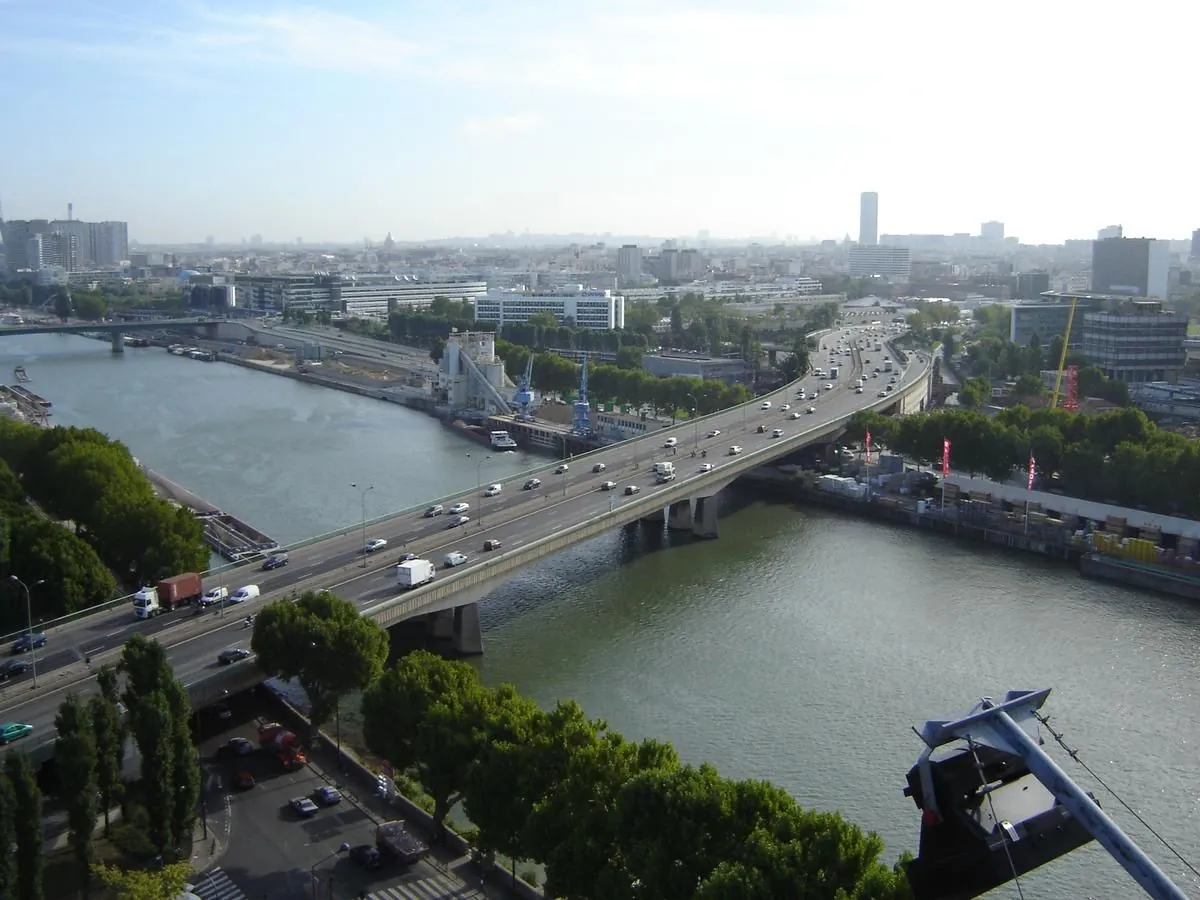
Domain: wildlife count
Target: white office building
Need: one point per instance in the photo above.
(358, 297)
(594, 310)
(891, 262)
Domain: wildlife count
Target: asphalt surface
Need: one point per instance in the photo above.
(516, 517)
(269, 851)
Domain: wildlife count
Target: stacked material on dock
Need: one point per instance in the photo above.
(842, 486)
(1137, 549)
(234, 539)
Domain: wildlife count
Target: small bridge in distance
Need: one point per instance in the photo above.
(117, 330)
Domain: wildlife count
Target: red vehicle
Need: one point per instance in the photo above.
(179, 590)
(274, 738)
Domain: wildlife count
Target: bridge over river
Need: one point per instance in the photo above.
(568, 507)
(117, 330)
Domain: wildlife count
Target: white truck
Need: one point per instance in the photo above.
(887, 366)
(833, 371)
(665, 472)
(414, 573)
(145, 603)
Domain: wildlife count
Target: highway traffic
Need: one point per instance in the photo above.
(514, 517)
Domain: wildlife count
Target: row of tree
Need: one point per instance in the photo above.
(90, 740)
(81, 477)
(1116, 457)
(90, 305)
(605, 816)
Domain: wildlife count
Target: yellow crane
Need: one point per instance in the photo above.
(1062, 359)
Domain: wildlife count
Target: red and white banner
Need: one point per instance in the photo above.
(868, 448)
(1032, 469)
(945, 457)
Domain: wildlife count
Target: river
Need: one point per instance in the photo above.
(800, 647)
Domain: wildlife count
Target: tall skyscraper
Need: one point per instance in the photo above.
(868, 219)
(1137, 267)
(1195, 253)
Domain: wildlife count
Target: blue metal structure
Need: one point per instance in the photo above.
(581, 421)
(996, 806)
(523, 398)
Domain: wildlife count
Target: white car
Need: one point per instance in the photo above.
(735, 450)
(561, 470)
(795, 415)
(707, 467)
(375, 544)
(858, 390)
(608, 486)
(716, 432)
(785, 407)
(458, 509)
(882, 394)
(829, 387)
(801, 396)
(811, 410)
(777, 433)
(454, 558)
(670, 442)
(766, 404)
(492, 490)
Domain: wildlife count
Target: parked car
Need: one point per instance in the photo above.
(366, 856)
(303, 807)
(327, 796)
(243, 781)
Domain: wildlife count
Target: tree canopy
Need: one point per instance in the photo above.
(608, 817)
(165, 883)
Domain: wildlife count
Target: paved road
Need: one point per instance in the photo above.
(516, 517)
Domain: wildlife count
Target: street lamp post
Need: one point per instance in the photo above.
(29, 622)
(312, 873)
(363, 492)
(479, 485)
(695, 424)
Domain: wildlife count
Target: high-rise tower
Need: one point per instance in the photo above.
(868, 219)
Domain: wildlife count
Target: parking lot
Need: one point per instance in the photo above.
(273, 853)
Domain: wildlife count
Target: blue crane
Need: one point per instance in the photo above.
(581, 421)
(523, 398)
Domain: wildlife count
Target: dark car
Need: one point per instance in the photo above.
(12, 668)
(232, 655)
(243, 781)
(327, 796)
(275, 561)
(366, 856)
(532, 484)
(492, 544)
(27, 642)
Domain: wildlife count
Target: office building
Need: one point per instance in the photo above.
(1031, 285)
(1131, 267)
(890, 262)
(1137, 343)
(52, 249)
(97, 244)
(629, 262)
(868, 219)
(356, 297)
(688, 365)
(593, 310)
(1194, 255)
(992, 232)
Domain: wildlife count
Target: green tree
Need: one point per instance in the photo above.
(147, 540)
(62, 305)
(165, 883)
(27, 825)
(8, 837)
(185, 763)
(73, 575)
(1029, 385)
(75, 758)
(152, 728)
(109, 736)
(322, 642)
(437, 350)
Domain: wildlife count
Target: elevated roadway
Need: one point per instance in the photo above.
(530, 524)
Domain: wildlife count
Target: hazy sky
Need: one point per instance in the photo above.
(435, 118)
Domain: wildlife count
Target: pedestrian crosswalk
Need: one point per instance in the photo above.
(439, 887)
(216, 885)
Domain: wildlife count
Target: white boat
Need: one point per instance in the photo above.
(501, 440)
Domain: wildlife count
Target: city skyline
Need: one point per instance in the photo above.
(659, 118)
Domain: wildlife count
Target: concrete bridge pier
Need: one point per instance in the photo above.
(679, 517)
(118, 342)
(440, 625)
(467, 637)
(704, 521)
(655, 516)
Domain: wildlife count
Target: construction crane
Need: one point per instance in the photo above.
(523, 398)
(995, 806)
(1062, 359)
(581, 421)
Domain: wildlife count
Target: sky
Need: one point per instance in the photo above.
(444, 118)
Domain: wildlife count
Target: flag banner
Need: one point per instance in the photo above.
(945, 457)
(1032, 468)
(868, 448)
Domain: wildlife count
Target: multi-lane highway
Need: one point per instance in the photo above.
(514, 517)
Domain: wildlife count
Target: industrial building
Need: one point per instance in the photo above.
(358, 297)
(593, 310)
(692, 365)
(470, 374)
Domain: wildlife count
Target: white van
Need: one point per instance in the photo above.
(670, 442)
(492, 490)
(242, 594)
(450, 560)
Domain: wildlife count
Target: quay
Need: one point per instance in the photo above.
(26, 406)
(226, 534)
(1111, 549)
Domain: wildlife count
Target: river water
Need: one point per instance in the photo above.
(800, 647)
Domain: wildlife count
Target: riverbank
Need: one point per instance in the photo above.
(1102, 551)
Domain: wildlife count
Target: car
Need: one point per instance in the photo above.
(735, 450)
(222, 711)
(492, 544)
(707, 467)
(608, 485)
(875, 374)
(407, 557)
(766, 404)
(214, 595)
(598, 467)
(231, 655)
(801, 396)
(240, 746)
(716, 432)
(532, 484)
(458, 509)
(27, 642)
(889, 388)
(375, 544)
(14, 731)
(811, 410)
(785, 407)
(777, 433)
(795, 415)
(670, 442)
(303, 807)
(829, 387)
(327, 796)
(12, 668)
(458, 522)
(243, 781)
(275, 561)
(562, 469)
(366, 856)
(492, 490)
(881, 394)
(436, 510)
(247, 592)
(631, 489)
(454, 558)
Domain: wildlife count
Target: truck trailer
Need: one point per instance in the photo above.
(170, 593)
